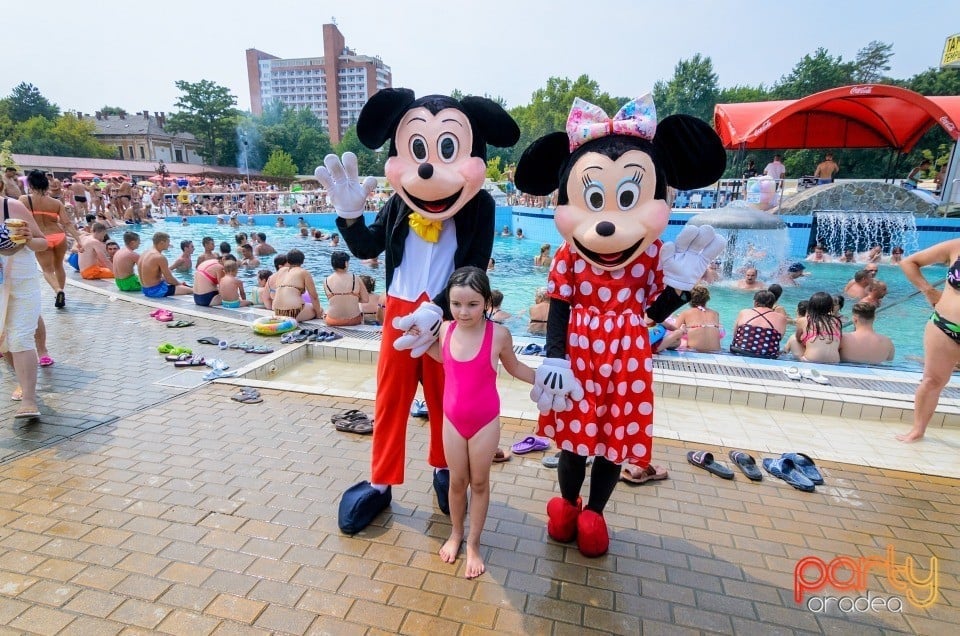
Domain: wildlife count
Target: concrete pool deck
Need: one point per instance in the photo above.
(146, 500)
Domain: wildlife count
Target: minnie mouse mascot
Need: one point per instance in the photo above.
(608, 281)
(438, 219)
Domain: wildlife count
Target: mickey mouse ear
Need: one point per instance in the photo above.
(538, 171)
(496, 125)
(379, 116)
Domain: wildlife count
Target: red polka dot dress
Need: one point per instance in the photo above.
(610, 355)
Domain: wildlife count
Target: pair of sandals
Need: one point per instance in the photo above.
(247, 395)
(797, 469)
(163, 315)
(353, 421)
(796, 374)
(172, 350)
(246, 347)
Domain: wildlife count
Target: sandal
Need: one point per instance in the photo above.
(45, 361)
(705, 461)
(501, 456)
(210, 340)
(17, 394)
(196, 361)
(633, 474)
(180, 323)
(247, 398)
(353, 421)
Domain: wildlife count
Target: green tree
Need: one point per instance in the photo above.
(280, 164)
(113, 110)
(297, 131)
(209, 113)
(6, 155)
(813, 74)
(743, 94)
(77, 135)
(26, 101)
(694, 90)
(549, 106)
(493, 169)
(369, 162)
(872, 62)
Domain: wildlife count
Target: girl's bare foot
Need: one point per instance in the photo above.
(450, 549)
(475, 565)
(911, 436)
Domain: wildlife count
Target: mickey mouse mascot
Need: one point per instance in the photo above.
(610, 277)
(438, 219)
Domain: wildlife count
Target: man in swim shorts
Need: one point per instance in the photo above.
(155, 275)
(124, 261)
(93, 260)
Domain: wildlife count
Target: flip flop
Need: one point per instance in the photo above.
(242, 345)
(806, 466)
(551, 461)
(45, 361)
(196, 361)
(530, 444)
(260, 350)
(247, 398)
(178, 357)
(532, 349)
(166, 347)
(816, 376)
(26, 415)
(216, 374)
(500, 456)
(210, 340)
(418, 409)
(704, 460)
(17, 394)
(633, 474)
(179, 324)
(793, 373)
(747, 464)
(786, 470)
(353, 421)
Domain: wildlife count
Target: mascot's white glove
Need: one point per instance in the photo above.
(426, 319)
(685, 260)
(554, 387)
(344, 192)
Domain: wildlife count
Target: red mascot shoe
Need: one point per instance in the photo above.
(592, 537)
(562, 519)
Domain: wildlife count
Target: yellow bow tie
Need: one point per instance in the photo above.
(425, 228)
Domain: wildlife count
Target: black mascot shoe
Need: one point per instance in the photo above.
(359, 505)
(441, 484)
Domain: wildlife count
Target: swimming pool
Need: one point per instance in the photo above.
(900, 317)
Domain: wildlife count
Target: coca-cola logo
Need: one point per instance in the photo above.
(947, 124)
(861, 90)
(762, 128)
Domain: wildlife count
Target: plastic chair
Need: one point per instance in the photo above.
(708, 200)
(682, 200)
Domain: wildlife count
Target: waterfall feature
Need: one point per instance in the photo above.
(859, 231)
(754, 239)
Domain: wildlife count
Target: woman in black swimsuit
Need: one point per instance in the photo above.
(758, 330)
(941, 336)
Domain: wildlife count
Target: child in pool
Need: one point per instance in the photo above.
(470, 347)
(232, 294)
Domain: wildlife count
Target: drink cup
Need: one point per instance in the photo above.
(15, 226)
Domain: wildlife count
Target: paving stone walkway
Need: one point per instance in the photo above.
(185, 512)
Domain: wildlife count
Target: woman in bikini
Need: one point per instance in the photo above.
(543, 259)
(539, 312)
(53, 221)
(758, 330)
(291, 285)
(206, 283)
(700, 326)
(819, 334)
(345, 292)
(941, 336)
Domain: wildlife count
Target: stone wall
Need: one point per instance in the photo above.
(862, 196)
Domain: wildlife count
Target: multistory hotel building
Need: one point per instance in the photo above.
(335, 86)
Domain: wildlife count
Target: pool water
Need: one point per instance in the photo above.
(901, 317)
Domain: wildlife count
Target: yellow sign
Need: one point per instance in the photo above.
(951, 52)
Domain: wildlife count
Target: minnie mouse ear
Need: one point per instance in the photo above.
(379, 116)
(691, 153)
(538, 171)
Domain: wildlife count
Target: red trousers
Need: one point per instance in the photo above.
(397, 376)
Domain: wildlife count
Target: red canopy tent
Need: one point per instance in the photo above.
(862, 116)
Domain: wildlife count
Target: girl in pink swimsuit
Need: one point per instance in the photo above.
(470, 347)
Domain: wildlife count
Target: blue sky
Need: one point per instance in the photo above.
(130, 54)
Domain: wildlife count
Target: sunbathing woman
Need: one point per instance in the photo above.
(820, 333)
(52, 218)
(700, 326)
(345, 293)
(291, 285)
(758, 331)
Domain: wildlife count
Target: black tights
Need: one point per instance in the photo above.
(603, 479)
